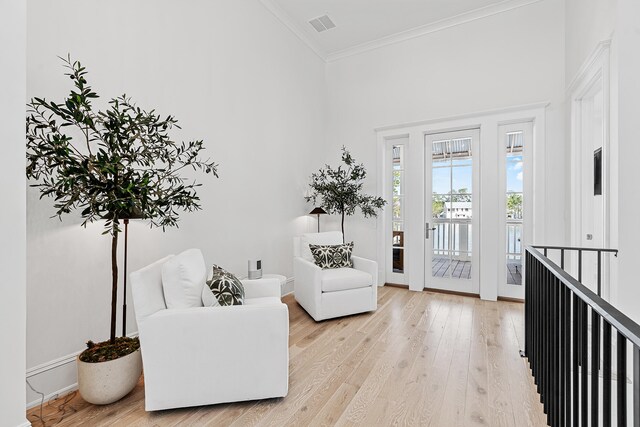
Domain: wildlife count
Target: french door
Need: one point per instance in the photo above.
(451, 223)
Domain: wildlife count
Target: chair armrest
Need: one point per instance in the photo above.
(259, 288)
(307, 286)
(366, 265)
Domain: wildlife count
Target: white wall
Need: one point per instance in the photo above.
(13, 315)
(234, 76)
(587, 23)
(628, 112)
(510, 59)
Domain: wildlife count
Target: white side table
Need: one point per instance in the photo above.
(282, 279)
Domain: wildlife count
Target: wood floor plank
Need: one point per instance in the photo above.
(477, 402)
(422, 358)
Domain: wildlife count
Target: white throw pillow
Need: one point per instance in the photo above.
(208, 298)
(183, 279)
(326, 238)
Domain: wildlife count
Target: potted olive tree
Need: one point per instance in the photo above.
(339, 190)
(108, 166)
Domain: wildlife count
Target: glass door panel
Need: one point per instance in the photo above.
(514, 161)
(396, 180)
(449, 167)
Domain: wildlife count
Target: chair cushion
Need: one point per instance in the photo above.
(332, 256)
(262, 301)
(326, 238)
(183, 278)
(226, 287)
(341, 279)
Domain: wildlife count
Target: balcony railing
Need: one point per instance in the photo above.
(570, 337)
(452, 237)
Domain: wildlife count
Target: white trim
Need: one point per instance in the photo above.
(477, 114)
(288, 22)
(387, 194)
(52, 364)
(287, 288)
(433, 27)
(488, 123)
(528, 127)
(25, 424)
(60, 361)
(451, 284)
(594, 72)
(590, 62)
(52, 396)
(399, 37)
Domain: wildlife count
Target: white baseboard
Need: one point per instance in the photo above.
(287, 288)
(52, 365)
(24, 424)
(52, 396)
(64, 360)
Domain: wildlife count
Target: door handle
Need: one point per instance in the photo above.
(427, 230)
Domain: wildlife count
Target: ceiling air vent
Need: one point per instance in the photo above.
(322, 23)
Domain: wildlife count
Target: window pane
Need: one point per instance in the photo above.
(439, 206)
(397, 228)
(514, 144)
(514, 173)
(398, 183)
(398, 157)
(462, 179)
(398, 208)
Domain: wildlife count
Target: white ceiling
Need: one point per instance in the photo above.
(364, 23)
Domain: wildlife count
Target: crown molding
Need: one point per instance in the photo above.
(463, 18)
(433, 27)
(472, 115)
(600, 49)
(288, 22)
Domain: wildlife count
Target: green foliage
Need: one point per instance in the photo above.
(113, 164)
(124, 162)
(437, 206)
(339, 191)
(514, 206)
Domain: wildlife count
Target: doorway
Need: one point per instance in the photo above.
(451, 172)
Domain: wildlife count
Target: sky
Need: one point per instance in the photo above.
(462, 176)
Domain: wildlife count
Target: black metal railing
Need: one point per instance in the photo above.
(600, 252)
(562, 352)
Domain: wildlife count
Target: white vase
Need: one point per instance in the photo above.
(106, 382)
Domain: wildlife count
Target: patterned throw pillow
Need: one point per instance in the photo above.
(332, 256)
(226, 287)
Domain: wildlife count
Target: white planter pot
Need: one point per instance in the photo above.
(106, 382)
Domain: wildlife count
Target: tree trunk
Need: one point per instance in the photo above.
(343, 226)
(114, 285)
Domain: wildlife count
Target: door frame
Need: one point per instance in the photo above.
(504, 289)
(391, 276)
(488, 122)
(595, 73)
(459, 285)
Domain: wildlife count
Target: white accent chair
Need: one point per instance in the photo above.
(206, 355)
(326, 294)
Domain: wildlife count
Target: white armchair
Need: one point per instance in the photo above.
(326, 294)
(206, 355)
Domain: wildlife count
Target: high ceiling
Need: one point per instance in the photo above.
(361, 23)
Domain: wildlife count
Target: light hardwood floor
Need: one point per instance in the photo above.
(421, 359)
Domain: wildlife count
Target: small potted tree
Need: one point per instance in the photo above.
(109, 165)
(339, 190)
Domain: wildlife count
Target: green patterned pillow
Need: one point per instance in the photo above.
(332, 256)
(226, 287)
